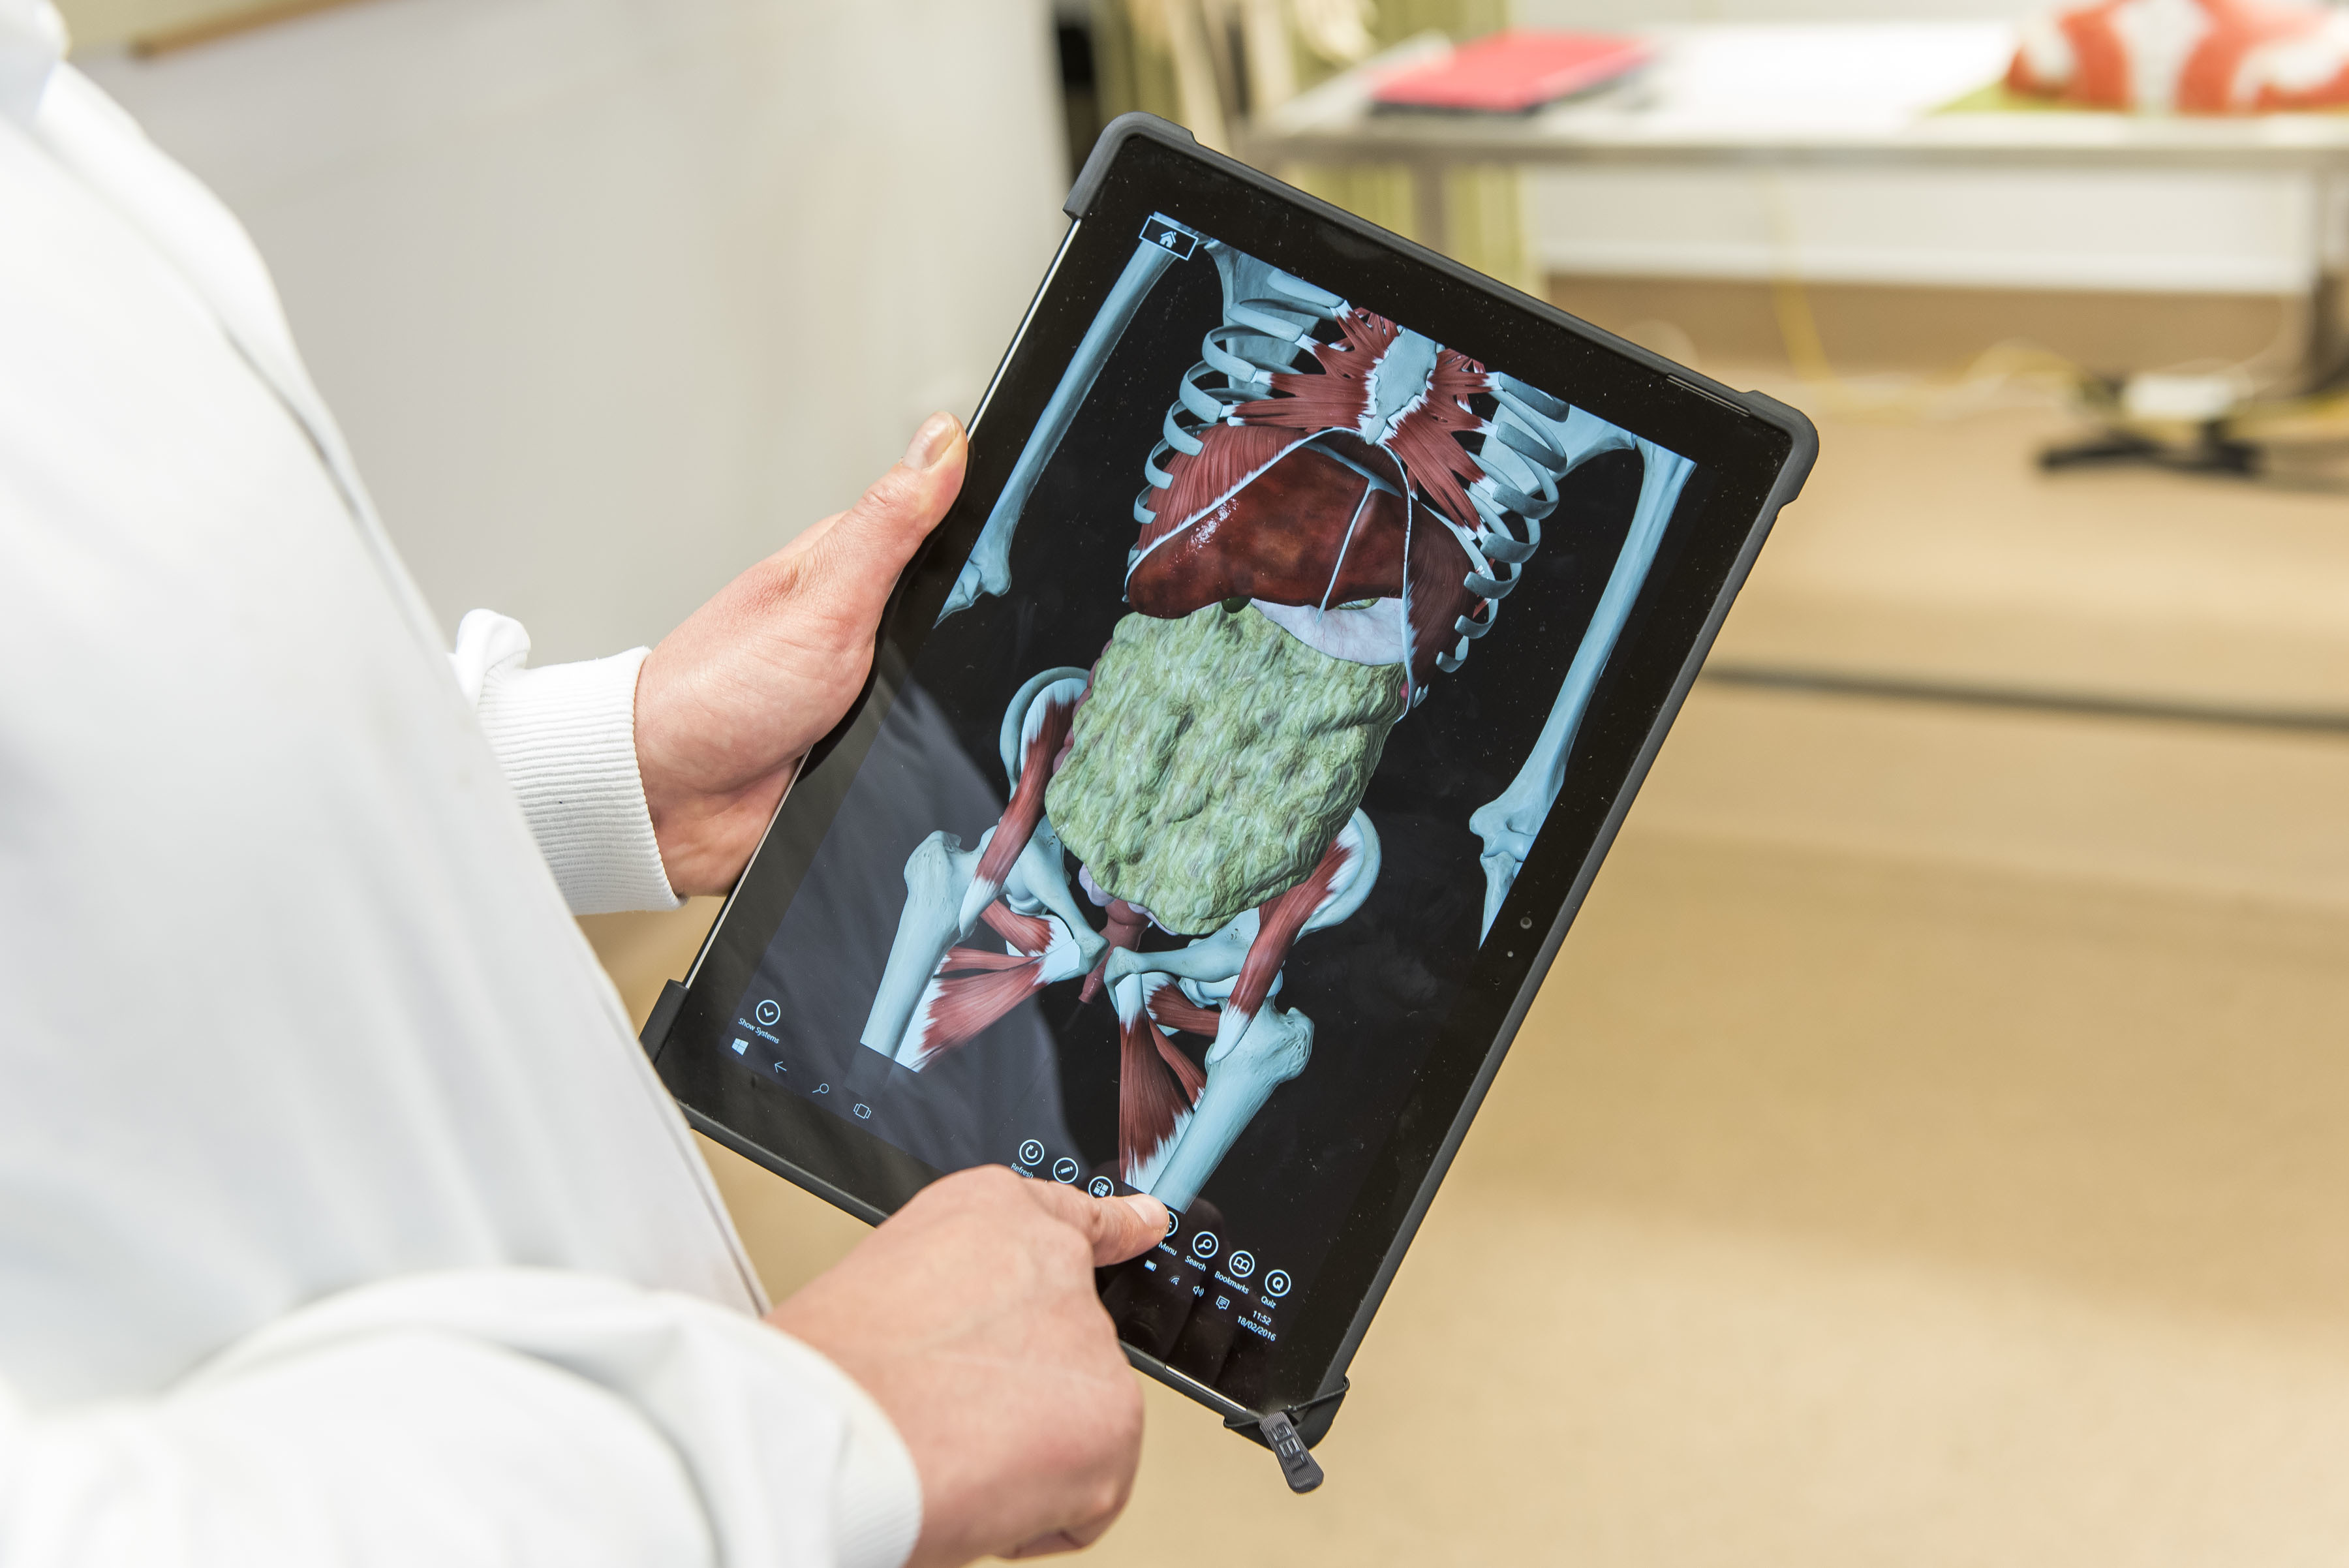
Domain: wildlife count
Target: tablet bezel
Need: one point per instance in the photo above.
(1751, 454)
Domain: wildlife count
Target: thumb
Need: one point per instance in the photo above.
(893, 517)
(1118, 1228)
(1139, 1224)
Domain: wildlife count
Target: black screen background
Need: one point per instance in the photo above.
(1379, 986)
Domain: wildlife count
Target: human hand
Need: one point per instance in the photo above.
(731, 700)
(970, 1318)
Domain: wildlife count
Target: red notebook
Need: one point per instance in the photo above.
(1511, 72)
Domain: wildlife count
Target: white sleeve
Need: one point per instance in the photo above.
(566, 736)
(508, 1417)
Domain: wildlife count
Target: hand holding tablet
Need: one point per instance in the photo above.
(1236, 758)
(734, 697)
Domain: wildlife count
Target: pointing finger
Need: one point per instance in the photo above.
(1118, 1228)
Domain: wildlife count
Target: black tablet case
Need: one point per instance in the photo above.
(1290, 1431)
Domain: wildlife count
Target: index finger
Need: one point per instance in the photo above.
(1118, 1228)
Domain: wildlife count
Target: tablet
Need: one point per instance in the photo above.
(1234, 761)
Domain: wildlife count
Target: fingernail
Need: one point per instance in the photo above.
(930, 442)
(1149, 1208)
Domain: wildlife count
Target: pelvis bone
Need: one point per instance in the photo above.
(1176, 1120)
(936, 995)
(1223, 985)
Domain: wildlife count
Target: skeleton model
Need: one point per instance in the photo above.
(1335, 515)
(2197, 57)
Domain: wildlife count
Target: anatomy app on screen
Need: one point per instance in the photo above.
(1188, 821)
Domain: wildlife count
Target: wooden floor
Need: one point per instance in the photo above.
(1932, 1146)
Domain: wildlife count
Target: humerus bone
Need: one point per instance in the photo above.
(1508, 823)
(988, 570)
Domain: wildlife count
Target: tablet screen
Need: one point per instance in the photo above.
(1186, 824)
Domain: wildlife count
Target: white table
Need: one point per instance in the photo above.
(1810, 94)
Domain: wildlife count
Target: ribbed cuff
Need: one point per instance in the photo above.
(566, 736)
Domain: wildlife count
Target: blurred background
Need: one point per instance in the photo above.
(1929, 1147)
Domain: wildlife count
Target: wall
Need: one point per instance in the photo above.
(614, 295)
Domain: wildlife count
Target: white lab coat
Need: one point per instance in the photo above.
(341, 1221)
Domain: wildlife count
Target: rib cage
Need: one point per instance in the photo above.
(1290, 363)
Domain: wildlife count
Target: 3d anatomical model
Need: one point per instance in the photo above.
(1336, 513)
(2194, 57)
